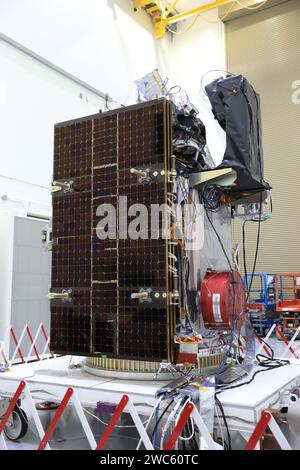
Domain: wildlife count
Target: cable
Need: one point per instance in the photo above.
(244, 257)
(256, 249)
(220, 427)
(225, 421)
(219, 239)
(160, 418)
(260, 199)
(157, 404)
(211, 196)
(231, 270)
(178, 33)
(219, 20)
(169, 420)
(117, 425)
(223, 364)
(156, 420)
(210, 71)
(171, 8)
(267, 364)
(267, 344)
(177, 419)
(192, 430)
(257, 7)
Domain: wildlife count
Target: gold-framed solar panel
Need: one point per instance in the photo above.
(100, 318)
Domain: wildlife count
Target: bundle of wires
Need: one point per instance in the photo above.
(210, 195)
(188, 433)
(266, 363)
(248, 286)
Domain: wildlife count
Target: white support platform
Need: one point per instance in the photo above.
(242, 406)
(52, 376)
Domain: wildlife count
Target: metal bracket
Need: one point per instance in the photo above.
(166, 367)
(172, 175)
(147, 295)
(174, 296)
(61, 186)
(47, 240)
(144, 295)
(143, 175)
(64, 295)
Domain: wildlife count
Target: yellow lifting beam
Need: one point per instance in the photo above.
(161, 12)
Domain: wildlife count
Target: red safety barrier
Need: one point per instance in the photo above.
(258, 431)
(46, 338)
(286, 342)
(55, 419)
(31, 340)
(264, 346)
(188, 409)
(12, 405)
(113, 421)
(16, 343)
(33, 348)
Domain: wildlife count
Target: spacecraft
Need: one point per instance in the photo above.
(130, 293)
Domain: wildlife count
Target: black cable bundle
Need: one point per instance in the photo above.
(228, 443)
(160, 418)
(268, 363)
(211, 195)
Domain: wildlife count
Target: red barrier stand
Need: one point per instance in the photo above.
(187, 411)
(16, 343)
(46, 338)
(12, 405)
(55, 419)
(113, 421)
(258, 431)
(286, 342)
(264, 346)
(31, 340)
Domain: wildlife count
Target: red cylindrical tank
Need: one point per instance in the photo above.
(222, 298)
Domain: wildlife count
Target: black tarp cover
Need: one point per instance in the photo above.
(236, 106)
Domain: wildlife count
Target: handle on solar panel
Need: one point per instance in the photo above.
(140, 295)
(66, 294)
(141, 173)
(60, 185)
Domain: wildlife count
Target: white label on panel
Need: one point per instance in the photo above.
(216, 308)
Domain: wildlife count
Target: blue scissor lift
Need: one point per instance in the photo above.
(261, 301)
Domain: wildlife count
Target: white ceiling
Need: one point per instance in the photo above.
(185, 5)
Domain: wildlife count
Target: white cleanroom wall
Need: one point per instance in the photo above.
(103, 42)
(107, 44)
(33, 98)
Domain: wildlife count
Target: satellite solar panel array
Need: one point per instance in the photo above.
(95, 155)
